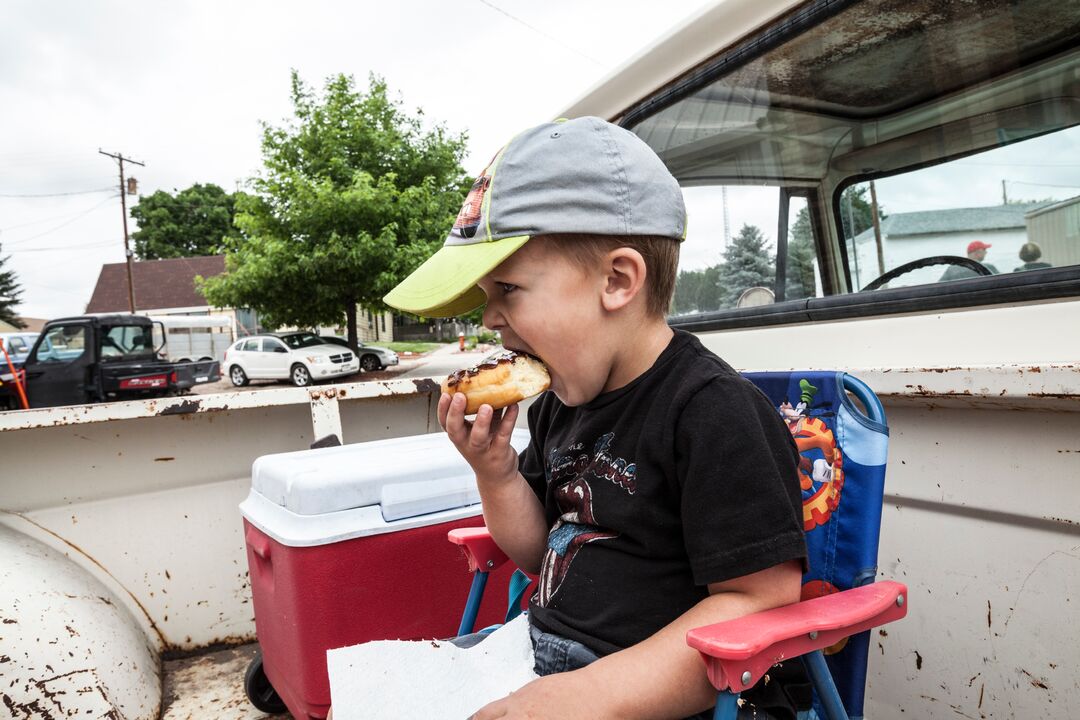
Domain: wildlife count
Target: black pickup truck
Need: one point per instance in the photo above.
(99, 358)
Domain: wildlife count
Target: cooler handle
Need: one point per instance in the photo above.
(259, 543)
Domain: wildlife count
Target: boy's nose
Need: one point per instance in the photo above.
(492, 318)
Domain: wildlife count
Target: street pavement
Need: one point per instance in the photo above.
(436, 364)
(444, 360)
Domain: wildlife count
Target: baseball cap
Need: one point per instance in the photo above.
(977, 245)
(584, 176)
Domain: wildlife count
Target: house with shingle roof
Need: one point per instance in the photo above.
(30, 325)
(165, 287)
(913, 235)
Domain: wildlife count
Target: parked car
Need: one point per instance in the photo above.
(371, 357)
(18, 346)
(300, 357)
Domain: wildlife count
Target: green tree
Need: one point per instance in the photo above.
(191, 222)
(747, 263)
(855, 212)
(799, 271)
(687, 287)
(697, 291)
(354, 195)
(10, 290)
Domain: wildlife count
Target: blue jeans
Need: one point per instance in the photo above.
(552, 653)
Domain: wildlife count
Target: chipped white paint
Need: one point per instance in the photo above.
(325, 418)
(193, 404)
(152, 500)
(68, 647)
(1033, 335)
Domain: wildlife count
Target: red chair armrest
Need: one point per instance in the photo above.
(482, 552)
(754, 643)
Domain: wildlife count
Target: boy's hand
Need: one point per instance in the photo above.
(483, 442)
(562, 696)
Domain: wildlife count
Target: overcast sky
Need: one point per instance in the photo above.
(182, 87)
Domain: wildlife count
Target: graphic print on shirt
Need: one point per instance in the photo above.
(570, 473)
(821, 461)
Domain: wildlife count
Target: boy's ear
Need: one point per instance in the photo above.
(624, 270)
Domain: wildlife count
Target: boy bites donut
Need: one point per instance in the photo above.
(500, 381)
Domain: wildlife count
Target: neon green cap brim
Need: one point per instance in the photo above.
(445, 285)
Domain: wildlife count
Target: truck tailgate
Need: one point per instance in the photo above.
(196, 373)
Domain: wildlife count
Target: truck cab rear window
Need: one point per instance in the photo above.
(854, 155)
(126, 342)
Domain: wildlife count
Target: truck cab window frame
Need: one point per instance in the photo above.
(60, 344)
(928, 93)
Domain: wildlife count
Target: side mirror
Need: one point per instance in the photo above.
(280, 349)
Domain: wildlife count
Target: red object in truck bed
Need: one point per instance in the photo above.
(406, 585)
(348, 544)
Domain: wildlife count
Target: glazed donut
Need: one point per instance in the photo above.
(499, 381)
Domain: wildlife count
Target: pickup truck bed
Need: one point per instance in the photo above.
(156, 376)
(211, 685)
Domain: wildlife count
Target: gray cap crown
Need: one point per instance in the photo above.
(573, 176)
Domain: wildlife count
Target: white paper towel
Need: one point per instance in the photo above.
(392, 679)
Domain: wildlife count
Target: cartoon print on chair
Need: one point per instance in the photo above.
(821, 465)
(577, 524)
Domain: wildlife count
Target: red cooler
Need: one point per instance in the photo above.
(348, 544)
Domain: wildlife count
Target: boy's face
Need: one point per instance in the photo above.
(544, 305)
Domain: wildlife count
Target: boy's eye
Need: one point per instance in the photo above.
(506, 288)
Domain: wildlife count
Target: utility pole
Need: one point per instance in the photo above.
(1004, 197)
(123, 206)
(727, 225)
(877, 229)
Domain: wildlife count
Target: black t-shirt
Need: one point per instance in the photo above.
(684, 477)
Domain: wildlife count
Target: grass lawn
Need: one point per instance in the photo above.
(414, 347)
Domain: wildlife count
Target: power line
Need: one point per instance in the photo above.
(68, 247)
(49, 287)
(538, 31)
(52, 195)
(63, 224)
(1021, 182)
(1016, 164)
(51, 218)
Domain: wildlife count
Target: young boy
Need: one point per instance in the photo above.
(659, 492)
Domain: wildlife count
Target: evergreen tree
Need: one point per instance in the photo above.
(697, 291)
(855, 213)
(10, 291)
(799, 271)
(687, 286)
(747, 263)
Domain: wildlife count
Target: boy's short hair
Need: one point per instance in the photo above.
(661, 255)
(580, 176)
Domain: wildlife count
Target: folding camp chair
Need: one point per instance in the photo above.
(842, 473)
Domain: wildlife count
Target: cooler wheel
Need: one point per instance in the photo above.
(259, 690)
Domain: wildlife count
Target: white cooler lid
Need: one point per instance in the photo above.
(313, 496)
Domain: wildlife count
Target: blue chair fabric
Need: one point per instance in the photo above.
(842, 473)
